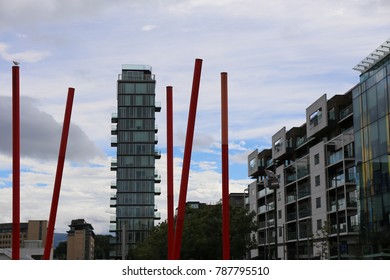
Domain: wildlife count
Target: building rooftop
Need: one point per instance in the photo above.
(140, 67)
(373, 58)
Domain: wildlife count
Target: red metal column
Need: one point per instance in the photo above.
(60, 168)
(225, 169)
(187, 158)
(15, 164)
(170, 204)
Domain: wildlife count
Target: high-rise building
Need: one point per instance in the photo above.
(81, 241)
(371, 108)
(134, 134)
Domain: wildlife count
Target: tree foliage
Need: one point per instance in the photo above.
(60, 251)
(202, 235)
(102, 247)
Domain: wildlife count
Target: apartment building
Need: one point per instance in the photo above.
(312, 213)
(32, 239)
(332, 200)
(134, 135)
(80, 241)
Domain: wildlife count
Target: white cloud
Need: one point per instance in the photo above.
(25, 56)
(149, 27)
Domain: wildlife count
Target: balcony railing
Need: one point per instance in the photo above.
(302, 192)
(346, 112)
(291, 235)
(291, 216)
(136, 76)
(342, 228)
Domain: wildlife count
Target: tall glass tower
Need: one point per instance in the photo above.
(371, 108)
(134, 134)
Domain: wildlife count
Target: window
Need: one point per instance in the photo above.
(279, 214)
(280, 232)
(319, 224)
(315, 117)
(317, 180)
(318, 202)
(278, 145)
(252, 164)
(316, 159)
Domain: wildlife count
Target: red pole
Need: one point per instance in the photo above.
(170, 204)
(225, 169)
(15, 164)
(187, 158)
(60, 168)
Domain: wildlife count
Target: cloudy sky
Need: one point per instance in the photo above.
(280, 57)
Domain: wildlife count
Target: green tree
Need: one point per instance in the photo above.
(202, 235)
(102, 247)
(60, 251)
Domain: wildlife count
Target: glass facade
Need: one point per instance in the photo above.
(135, 131)
(371, 103)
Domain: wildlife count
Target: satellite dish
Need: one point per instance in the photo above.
(15, 62)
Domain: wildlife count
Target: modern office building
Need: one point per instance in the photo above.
(134, 135)
(371, 107)
(32, 240)
(80, 241)
(332, 200)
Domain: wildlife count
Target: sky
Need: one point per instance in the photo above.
(280, 57)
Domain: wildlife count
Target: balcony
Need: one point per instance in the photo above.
(347, 111)
(262, 209)
(262, 224)
(114, 129)
(136, 76)
(114, 164)
(157, 216)
(302, 192)
(113, 202)
(291, 216)
(157, 154)
(113, 185)
(341, 206)
(157, 106)
(352, 203)
(114, 141)
(304, 213)
(291, 235)
(342, 228)
(112, 228)
(157, 190)
(155, 128)
(155, 139)
(291, 198)
(336, 157)
(157, 178)
(114, 117)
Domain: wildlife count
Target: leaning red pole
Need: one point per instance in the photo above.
(187, 158)
(225, 169)
(15, 164)
(170, 204)
(60, 168)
